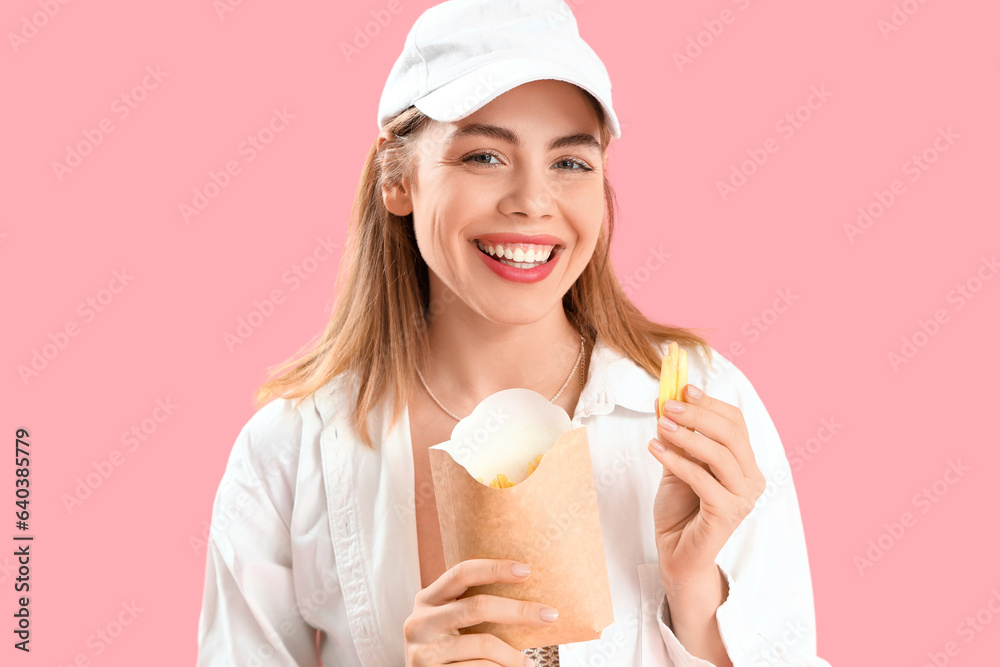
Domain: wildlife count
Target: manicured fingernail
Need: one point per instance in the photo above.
(667, 423)
(674, 406)
(657, 445)
(548, 614)
(520, 570)
(693, 392)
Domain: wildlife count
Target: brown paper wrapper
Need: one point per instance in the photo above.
(549, 521)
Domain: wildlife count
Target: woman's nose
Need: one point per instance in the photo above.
(533, 193)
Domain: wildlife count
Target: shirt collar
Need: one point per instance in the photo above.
(614, 379)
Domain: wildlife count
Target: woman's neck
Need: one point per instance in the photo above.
(472, 359)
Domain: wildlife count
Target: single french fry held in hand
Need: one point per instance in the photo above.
(673, 377)
(668, 378)
(682, 373)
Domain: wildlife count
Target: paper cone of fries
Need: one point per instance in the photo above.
(547, 517)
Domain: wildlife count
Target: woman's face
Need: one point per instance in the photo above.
(528, 163)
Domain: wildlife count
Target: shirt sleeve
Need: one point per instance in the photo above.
(768, 617)
(249, 611)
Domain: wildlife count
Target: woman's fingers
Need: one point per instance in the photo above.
(708, 454)
(477, 649)
(484, 608)
(431, 632)
(473, 572)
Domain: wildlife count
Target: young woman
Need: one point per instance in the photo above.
(479, 261)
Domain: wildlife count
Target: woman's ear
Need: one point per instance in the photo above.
(396, 196)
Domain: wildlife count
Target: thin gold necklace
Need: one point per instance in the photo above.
(579, 357)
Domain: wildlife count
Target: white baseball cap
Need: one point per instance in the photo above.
(462, 54)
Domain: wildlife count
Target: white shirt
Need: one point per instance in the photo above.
(312, 531)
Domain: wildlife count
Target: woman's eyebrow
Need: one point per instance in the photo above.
(509, 136)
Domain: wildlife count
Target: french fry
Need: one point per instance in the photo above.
(682, 372)
(668, 378)
(673, 377)
(533, 464)
(501, 481)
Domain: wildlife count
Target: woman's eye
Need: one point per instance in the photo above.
(487, 160)
(574, 165)
(488, 156)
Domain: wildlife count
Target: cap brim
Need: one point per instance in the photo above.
(472, 91)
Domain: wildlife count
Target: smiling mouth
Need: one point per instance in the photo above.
(483, 248)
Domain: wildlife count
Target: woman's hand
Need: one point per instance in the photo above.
(431, 634)
(710, 484)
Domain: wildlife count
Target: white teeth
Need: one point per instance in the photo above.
(520, 265)
(517, 257)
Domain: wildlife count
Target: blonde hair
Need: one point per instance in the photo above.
(378, 329)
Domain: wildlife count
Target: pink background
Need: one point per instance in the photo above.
(135, 538)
